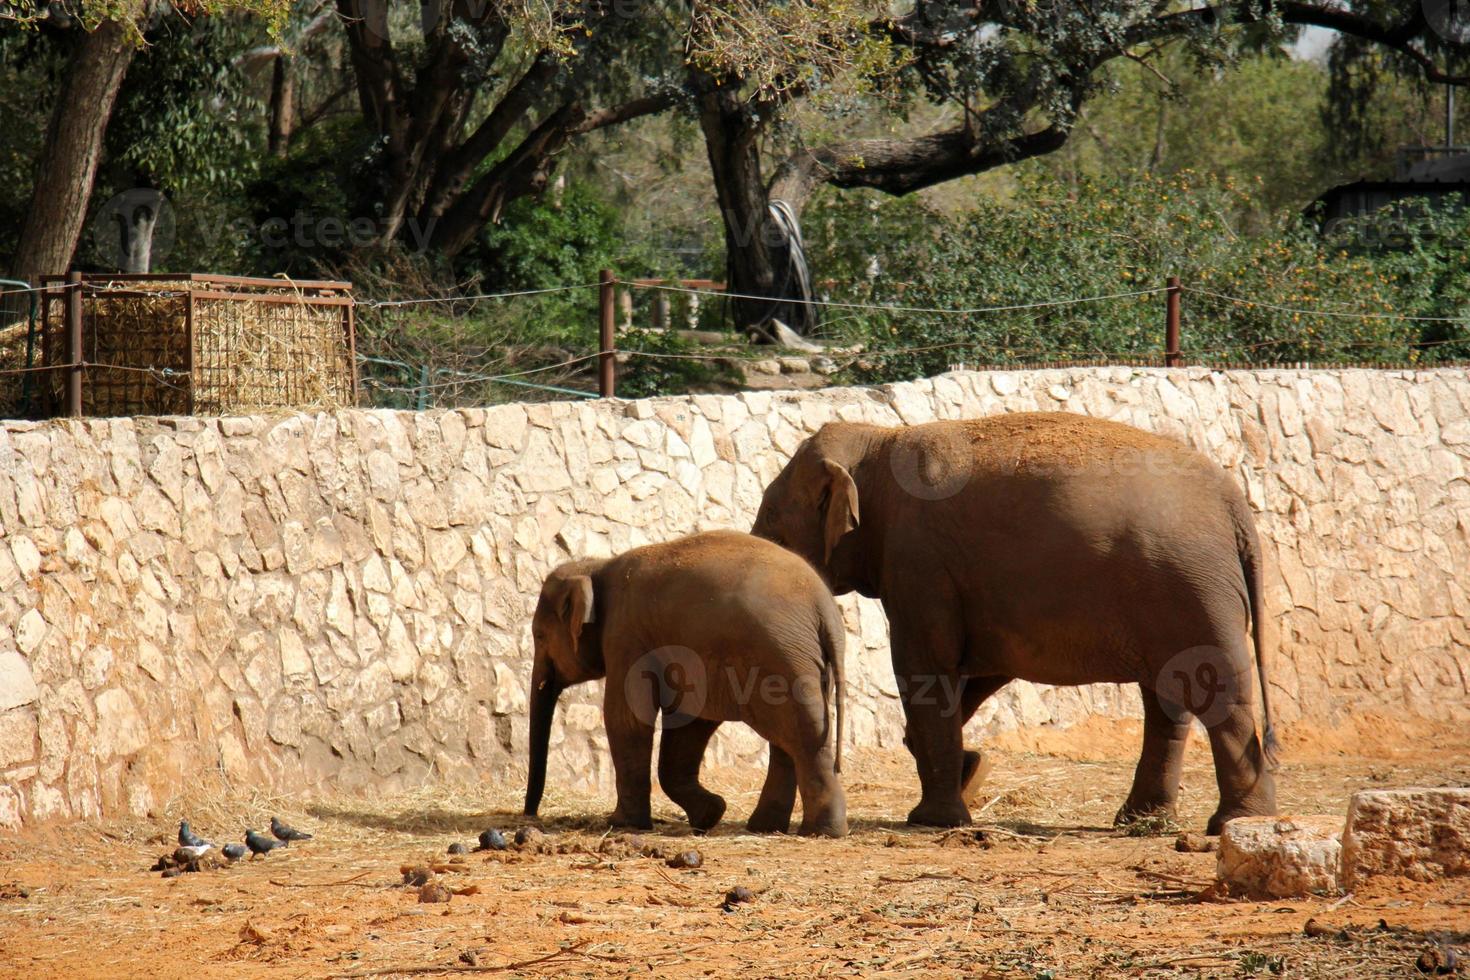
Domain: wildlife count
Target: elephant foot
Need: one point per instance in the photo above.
(705, 812)
(940, 813)
(769, 822)
(619, 818)
(1131, 812)
(1224, 815)
(973, 776)
(826, 827)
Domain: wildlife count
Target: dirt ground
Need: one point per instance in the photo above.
(1045, 888)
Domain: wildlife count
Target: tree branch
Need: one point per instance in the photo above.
(253, 58)
(632, 109)
(1398, 38)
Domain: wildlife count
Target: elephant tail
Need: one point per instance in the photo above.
(1249, 548)
(834, 642)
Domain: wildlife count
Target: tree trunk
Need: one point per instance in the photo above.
(759, 259)
(283, 106)
(69, 157)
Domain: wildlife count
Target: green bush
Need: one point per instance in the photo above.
(676, 367)
(1106, 237)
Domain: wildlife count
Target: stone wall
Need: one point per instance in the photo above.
(340, 602)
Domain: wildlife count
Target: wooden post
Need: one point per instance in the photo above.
(189, 361)
(74, 344)
(351, 314)
(1172, 356)
(607, 364)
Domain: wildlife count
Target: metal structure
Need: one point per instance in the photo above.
(154, 344)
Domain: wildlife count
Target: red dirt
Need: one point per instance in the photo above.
(1051, 890)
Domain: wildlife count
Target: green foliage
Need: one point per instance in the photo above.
(1254, 963)
(676, 367)
(562, 238)
(29, 69)
(1257, 118)
(552, 240)
(183, 117)
(1110, 236)
(319, 188)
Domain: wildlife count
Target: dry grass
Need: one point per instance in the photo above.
(1048, 888)
(248, 353)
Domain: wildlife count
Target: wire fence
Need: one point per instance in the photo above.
(398, 368)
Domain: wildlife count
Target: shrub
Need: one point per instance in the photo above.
(1105, 237)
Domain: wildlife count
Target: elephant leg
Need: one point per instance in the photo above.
(680, 755)
(1246, 786)
(1156, 781)
(934, 738)
(975, 767)
(631, 742)
(823, 804)
(772, 813)
(926, 653)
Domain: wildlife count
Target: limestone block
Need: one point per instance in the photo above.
(30, 631)
(27, 557)
(17, 686)
(1420, 833)
(1280, 857)
(510, 696)
(17, 737)
(121, 730)
(505, 426)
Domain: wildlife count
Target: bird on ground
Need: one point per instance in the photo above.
(191, 852)
(285, 832)
(187, 837)
(260, 843)
(233, 852)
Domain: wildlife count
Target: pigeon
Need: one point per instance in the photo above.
(233, 852)
(191, 852)
(285, 832)
(187, 837)
(260, 843)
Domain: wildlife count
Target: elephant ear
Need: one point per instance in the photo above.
(576, 605)
(841, 506)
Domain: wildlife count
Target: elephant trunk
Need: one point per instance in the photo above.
(546, 687)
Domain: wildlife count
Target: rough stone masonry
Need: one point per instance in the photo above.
(340, 602)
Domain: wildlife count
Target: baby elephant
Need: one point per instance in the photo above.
(710, 628)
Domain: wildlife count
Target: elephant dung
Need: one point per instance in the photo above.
(433, 891)
(686, 859)
(1421, 834)
(1280, 857)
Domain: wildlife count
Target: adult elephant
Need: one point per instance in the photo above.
(1053, 548)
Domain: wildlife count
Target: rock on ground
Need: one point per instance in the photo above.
(1280, 857)
(1421, 834)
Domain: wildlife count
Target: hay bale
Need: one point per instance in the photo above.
(179, 345)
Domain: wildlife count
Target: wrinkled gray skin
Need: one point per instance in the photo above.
(1053, 548)
(743, 629)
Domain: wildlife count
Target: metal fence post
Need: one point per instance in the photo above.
(1172, 355)
(607, 365)
(74, 344)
